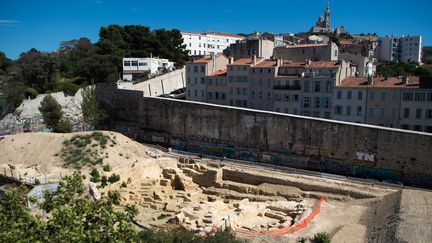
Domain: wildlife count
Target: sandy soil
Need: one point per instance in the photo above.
(352, 212)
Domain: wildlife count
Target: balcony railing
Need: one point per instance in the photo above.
(287, 87)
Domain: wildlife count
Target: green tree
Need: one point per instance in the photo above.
(92, 113)
(51, 111)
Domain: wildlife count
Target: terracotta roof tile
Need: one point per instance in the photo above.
(381, 82)
(246, 61)
(303, 45)
(219, 73)
(267, 63)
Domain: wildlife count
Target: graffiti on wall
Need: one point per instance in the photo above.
(376, 173)
(365, 159)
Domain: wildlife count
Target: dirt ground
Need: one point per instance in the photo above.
(203, 195)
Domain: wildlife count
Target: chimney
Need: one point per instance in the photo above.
(231, 60)
(279, 62)
(308, 62)
(254, 59)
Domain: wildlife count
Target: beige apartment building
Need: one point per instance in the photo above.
(329, 51)
(251, 46)
(196, 73)
(398, 102)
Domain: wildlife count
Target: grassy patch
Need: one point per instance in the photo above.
(83, 150)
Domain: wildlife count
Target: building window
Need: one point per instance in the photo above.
(127, 63)
(286, 110)
(316, 114)
(196, 93)
(417, 128)
(202, 93)
(277, 109)
(349, 95)
(189, 92)
(338, 110)
(382, 112)
(372, 95)
(371, 112)
(429, 97)
(287, 98)
(395, 96)
(326, 102)
(328, 86)
(348, 111)
(195, 69)
(359, 110)
(406, 113)
(339, 95)
(306, 102)
(428, 114)
(203, 69)
(317, 102)
(359, 95)
(307, 86)
(209, 95)
(196, 80)
(318, 86)
(327, 115)
(202, 80)
(418, 113)
(407, 96)
(419, 96)
(383, 96)
(393, 112)
(134, 63)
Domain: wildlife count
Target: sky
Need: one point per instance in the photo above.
(43, 24)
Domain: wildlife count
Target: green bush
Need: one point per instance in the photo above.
(322, 237)
(63, 127)
(30, 92)
(107, 168)
(68, 88)
(114, 197)
(95, 176)
(114, 178)
(104, 181)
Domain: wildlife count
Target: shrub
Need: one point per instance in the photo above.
(114, 197)
(322, 237)
(63, 127)
(95, 176)
(104, 181)
(107, 168)
(30, 92)
(123, 185)
(114, 178)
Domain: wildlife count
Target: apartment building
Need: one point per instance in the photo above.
(196, 73)
(398, 102)
(208, 43)
(328, 51)
(137, 68)
(400, 49)
(304, 88)
(250, 46)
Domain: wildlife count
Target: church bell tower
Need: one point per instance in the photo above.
(327, 15)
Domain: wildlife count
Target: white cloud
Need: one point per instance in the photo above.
(136, 9)
(98, 1)
(9, 22)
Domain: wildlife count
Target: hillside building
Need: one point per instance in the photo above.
(208, 43)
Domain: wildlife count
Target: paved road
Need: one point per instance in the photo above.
(415, 216)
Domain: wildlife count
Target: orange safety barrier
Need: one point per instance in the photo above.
(292, 229)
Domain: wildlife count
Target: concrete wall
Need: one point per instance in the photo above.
(308, 143)
(163, 84)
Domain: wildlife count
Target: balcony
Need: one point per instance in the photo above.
(287, 87)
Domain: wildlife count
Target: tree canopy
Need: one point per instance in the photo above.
(80, 62)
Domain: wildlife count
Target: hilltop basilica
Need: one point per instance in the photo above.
(323, 24)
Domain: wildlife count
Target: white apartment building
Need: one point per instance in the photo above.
(208, 43)
(401, 49)
(135, 68)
